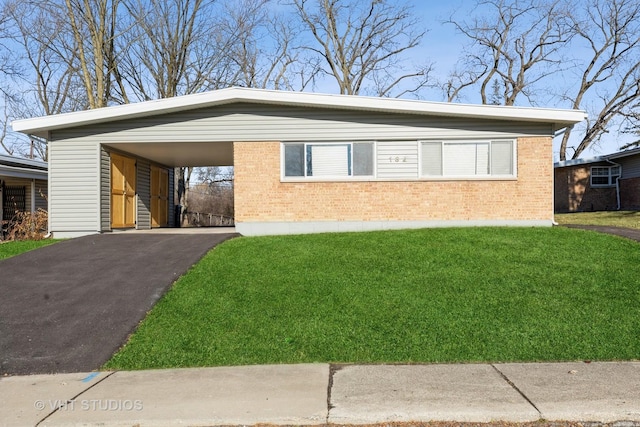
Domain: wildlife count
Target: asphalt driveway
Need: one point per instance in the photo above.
(68, 307)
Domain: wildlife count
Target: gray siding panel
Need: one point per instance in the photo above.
(397, 159)
(105, 190)
(143, 190)
(42, 190)
(253, 122)
(630, 166)
(74, 198)
(172, 202)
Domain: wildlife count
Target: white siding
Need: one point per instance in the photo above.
(249, 122)
(74, 174)
(397, 159)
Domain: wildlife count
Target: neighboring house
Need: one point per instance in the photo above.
(304, 162)
(601, 183)
(23, 186)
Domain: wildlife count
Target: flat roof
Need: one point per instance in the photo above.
(41, 126)
(22, 163)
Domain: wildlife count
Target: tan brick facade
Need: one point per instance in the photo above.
(260, 196)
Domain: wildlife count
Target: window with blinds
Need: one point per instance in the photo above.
(467, 158)
(328, 160)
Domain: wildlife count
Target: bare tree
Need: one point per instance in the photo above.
(173, 48)
(610, 30)
(362, 43)
(267, 51)
(517, 42)
(50, 83)
(92, 25)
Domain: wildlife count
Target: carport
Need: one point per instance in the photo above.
(137, 147)
(142, 189)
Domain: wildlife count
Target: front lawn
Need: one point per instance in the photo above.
(435, 295)
(628, 219)
(9, 249)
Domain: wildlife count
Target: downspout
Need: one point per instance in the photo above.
(617, 181)
(553, 210)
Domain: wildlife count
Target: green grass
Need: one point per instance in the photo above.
(9, 249)
(628, 219)
(437, 295)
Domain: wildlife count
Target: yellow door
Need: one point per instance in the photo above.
(159, 197)
(123, 191)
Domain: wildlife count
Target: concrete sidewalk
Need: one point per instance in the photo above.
(313, 394)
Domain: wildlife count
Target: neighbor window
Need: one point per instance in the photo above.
(468, 158)
(604, 176)
(328, 160)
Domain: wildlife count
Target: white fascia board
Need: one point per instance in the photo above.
(41, 126)
(15, 172)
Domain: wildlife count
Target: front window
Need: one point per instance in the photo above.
(604, 176)
(328, 160)
(468, 158)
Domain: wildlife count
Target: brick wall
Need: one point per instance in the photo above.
(261, 197)
(630, 194)
(573, 192)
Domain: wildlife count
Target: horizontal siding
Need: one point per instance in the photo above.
(74, 196)
(397, 159)
(105, 190)
(143, 190)
(172, 202)
(42, 192)
(249, 122)
(630, 166)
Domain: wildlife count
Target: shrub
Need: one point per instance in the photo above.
(26, 226)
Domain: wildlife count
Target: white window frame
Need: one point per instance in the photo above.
(611, 177)
(326, 178)
(486, 177)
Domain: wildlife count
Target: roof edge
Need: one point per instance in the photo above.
(40, 126)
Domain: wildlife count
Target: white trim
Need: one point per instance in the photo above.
(72, 234)
(41, 126)
(609, 176)
(309, 227)
(18, 172)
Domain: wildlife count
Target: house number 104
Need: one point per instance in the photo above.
(397, 159)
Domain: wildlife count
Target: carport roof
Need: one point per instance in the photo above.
(41, 126)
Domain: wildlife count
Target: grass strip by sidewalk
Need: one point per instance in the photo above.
(436, 295)
(13, 248)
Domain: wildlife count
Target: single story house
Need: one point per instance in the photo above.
(23, 186)
(607, 182)
(303, 162)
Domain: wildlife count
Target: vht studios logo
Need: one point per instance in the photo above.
(89, 405)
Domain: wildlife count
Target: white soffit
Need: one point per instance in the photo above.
(41, 126)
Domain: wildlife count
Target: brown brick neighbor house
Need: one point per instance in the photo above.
(304, 162)
(606, 182)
